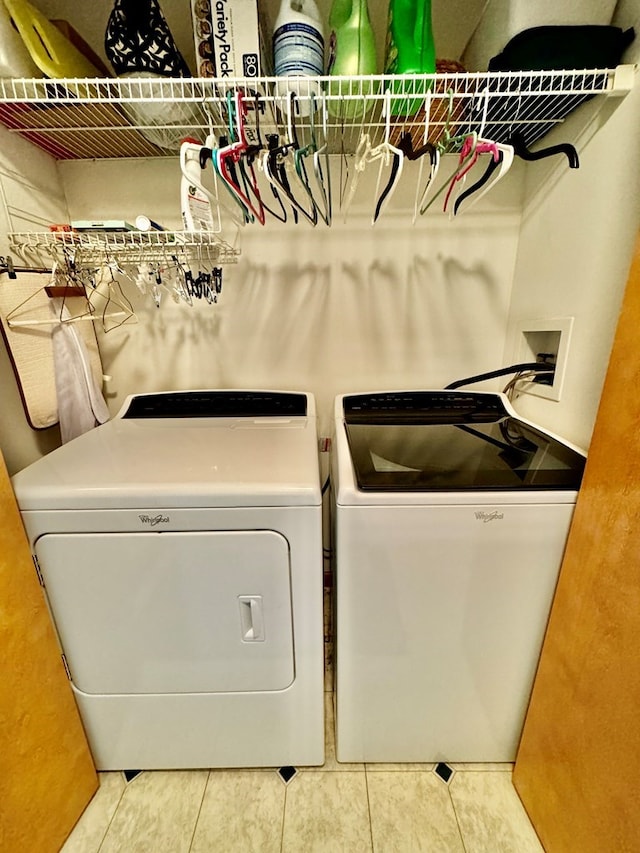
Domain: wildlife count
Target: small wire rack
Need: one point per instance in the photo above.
(127, 247)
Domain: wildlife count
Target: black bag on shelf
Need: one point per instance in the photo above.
(138, 39)
(551, 48)
(563, 48)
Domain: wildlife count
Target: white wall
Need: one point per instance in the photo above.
(575, 249)
(503, 19)
(353, 307)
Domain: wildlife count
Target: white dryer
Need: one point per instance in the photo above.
(451, 519)
(179, 546)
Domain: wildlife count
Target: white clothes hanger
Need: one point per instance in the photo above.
(495, 171)
(72, 289)
(387, 155)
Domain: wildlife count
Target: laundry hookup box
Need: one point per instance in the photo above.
(227, 38)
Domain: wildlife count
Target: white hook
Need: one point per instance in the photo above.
(387, 115)
(427, 115)
(290, 100)
(484, 94)
(425, 139)
(324, 116)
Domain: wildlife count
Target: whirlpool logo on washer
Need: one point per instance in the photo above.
(154, 520)
(485, 517)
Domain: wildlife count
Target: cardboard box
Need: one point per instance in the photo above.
(202, 34)
(227, 38)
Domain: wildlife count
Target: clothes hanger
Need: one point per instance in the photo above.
(426, 148)
(473, 144)
(252, 155)
(120, 300)
(323, 174)
(462, 164)
(480, 146)
(73, 287)
(300, 154)
(224, 141)
(54, 290)
(406, 146)
(151, 281)
(344, 168)
(360, 160)
(274, 164)
(498, 166)
(384, 152)
(487, 181)
(517, 140)
(237, 211)
(447, 143)
(231, 154)
(180, 290)
(275, 167)
(216, 143)
(491, 168)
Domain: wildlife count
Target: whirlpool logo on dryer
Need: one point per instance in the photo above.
(154, 520)
(485, 517)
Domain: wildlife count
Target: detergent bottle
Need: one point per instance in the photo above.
(298, 49)
(352, 51)
(410, 49)
(15, 60)
(194, 199)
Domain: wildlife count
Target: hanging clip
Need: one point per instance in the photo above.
(6, 264)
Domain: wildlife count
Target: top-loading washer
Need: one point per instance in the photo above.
(180, 550)
(451, 516)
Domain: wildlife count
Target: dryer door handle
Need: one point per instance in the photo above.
(251, 618)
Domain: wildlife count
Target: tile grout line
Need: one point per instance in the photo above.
(106, 832)
(284, 811)
(366, 784)
(455, 814)
(195, 825)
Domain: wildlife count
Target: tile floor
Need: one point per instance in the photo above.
(397, 808)
(337, 807)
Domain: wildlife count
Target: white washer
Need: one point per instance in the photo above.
(451, 518)
(180, 548)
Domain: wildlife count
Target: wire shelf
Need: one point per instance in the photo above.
(128, 246)
(142, 117)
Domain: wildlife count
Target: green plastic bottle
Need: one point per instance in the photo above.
(410, 49)
(352, 51)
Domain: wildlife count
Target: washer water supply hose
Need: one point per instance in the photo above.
(537, 366)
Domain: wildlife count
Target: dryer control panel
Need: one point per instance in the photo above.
(217, 404)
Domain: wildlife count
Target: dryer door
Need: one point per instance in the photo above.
(171, 612)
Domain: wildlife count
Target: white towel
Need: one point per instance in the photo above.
(81, 405)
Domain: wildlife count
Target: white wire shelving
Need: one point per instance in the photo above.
(142, 117)
(127, 247)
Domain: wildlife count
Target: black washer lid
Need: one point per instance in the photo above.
(447, 441)
(218, 404)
